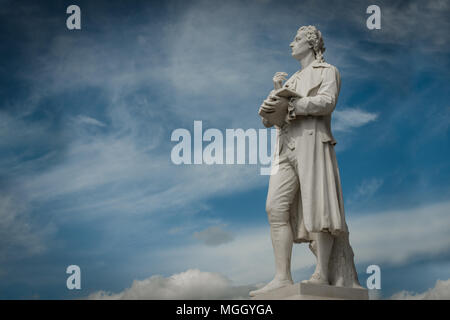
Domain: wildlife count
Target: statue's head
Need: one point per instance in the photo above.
(308, 39)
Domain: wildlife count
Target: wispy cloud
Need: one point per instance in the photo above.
(18, 238)
(89, 121)
(351, 118)
(366, 189)
(417, 22)
(148, 185)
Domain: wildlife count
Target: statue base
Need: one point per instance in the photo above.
(306, 291)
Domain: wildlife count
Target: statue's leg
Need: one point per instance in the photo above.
(323, 246)
(283, 187)
(282, 190)
(282, 241)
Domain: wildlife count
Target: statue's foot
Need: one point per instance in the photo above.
(272, 285)
(316, 278)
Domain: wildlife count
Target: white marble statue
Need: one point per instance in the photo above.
(304, 201)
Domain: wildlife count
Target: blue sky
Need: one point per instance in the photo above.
(86, 118)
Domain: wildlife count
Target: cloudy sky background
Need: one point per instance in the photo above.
(85, 124)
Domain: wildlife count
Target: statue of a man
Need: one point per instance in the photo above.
(304, 201)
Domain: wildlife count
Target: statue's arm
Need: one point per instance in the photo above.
(324, 102)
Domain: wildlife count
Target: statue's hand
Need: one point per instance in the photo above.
(278, 79)
(270, 104)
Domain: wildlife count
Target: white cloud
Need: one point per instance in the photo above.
(214, 236)
(395, 236)
(247, 259)
(191, 284)
(441, 291)
(391, 237)
(387, 237)
(351, 118)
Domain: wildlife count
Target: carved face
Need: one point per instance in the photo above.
(300, 46)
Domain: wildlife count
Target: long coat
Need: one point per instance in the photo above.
(318, 206)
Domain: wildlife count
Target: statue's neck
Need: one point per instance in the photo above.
(307, 60)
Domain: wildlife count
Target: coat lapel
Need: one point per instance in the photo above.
(309, 80)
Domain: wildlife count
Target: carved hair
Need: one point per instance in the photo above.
(315, 40)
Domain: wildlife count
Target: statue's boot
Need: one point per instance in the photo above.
(316, 279)
(272, 285)
(322, 249)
